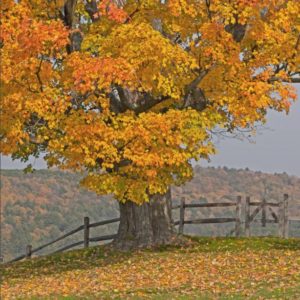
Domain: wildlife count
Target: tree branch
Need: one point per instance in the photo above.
(290, 80)
(91, 8)
(37, 73)
(194, 96)
(207, 2)
(196, 81)
(123, 99)
(69, 12)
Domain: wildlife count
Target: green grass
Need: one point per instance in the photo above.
(103, 259)
(263, 293)
(85, 258)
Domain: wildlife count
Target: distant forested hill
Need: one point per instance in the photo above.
(40, 206)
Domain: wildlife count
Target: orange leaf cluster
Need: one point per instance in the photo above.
(110, 9)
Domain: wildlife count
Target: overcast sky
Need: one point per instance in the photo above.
(276, 149)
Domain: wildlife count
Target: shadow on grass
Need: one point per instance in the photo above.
(67, 261)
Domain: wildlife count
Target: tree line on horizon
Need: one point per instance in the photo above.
(41, 206)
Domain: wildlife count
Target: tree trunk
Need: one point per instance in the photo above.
(146, 225)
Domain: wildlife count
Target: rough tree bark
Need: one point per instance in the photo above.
(146, 225)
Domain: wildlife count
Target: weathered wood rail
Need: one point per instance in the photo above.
(280, 217)
(86, 238)
(237, 219)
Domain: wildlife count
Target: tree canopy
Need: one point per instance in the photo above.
(129, 91)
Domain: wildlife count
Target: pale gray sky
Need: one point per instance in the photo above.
(276, 149)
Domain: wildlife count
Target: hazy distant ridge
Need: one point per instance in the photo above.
(40, 206)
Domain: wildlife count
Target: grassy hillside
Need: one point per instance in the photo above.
(204, 268)
(41, 206)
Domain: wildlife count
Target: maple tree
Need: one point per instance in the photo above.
(129, 91)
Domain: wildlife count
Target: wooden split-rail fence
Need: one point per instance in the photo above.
(278, 215)
(281, 217)
(237, 219)
(85, 242)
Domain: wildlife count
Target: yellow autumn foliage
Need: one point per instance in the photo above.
(131, 93)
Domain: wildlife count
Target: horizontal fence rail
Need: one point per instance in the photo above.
(68, 247)
(58, 239)
(103, 238)
(224, 204)
(279, 216)
(104, 222)
(210, 221)
(267, 221)
(274, 204)
(85, 227)
(182, 206)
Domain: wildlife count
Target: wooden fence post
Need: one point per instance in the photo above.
(238, 216)
(86, 231)
(28, 251)
(264, 213)
(181, 215)
(286, 216)
(247, 217)
(281, 216)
